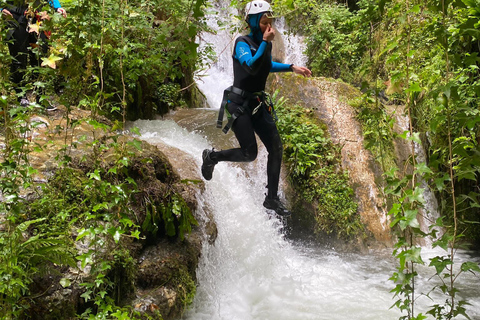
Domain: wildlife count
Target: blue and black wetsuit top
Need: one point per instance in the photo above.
(20, 5)
(252, 59)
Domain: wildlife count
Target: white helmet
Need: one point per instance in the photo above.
(257, 6)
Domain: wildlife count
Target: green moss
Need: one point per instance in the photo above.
(315, 173)
(185, 286)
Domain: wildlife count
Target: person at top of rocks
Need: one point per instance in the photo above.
(20, 37)
(249, 109)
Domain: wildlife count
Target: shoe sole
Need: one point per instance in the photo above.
(205, 154)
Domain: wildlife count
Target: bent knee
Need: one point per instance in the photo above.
(250, 153)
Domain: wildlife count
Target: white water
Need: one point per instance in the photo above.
(253, 272)
(429, 213)
(219, 74)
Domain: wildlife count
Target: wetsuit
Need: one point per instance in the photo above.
(252, 63)
(20, 39)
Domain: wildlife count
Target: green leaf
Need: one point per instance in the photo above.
(415, 9)
(422, 168)
(65, 282)
(470, 266)
(411, 218)
(440, 263)
(414, 87)
(95, 175)
(51, 61)
(414, 255)
(391, 45)
(415, 138)
(82, 233)
(416, 195)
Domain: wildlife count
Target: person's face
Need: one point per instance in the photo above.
(265, 22)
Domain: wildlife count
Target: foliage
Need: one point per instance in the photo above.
(104, 57)
(314, 171)
(423, 55)
(173, 213)
(377, 127)
(333, 42)
(126, 50)
(22, 256)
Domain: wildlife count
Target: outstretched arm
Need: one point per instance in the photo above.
(282, 67)
(5, 12)
(302, 70)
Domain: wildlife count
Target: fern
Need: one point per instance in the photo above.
(22, 257)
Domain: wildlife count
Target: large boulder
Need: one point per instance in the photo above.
(328, 100)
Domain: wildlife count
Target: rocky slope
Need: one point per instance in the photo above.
(161, 281)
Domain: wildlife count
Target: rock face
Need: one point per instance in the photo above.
(328, 100)
(160, 282)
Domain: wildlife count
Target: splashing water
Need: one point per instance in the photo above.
(253, 272)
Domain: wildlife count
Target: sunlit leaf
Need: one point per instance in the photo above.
(34, 28)
(51, 61)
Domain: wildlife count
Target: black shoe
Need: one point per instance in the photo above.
(276, 205)
(208, 164)
(51, 108)
(23, 102)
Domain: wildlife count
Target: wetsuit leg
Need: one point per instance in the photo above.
(18, 47)
(40, 48)
(245, 134)
(266, 129)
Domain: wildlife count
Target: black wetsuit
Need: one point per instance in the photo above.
(252, 62)
(20, 39)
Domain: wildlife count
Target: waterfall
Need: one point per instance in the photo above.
(252, 271)
(294, 44)
(219, 74)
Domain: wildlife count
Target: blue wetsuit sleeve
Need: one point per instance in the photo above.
(280, 67)
(55, 4)
(244, 55)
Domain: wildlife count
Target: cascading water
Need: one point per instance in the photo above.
(253, 272)
(429, 213)
(219, 74)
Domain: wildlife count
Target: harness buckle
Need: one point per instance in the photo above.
(260, 102)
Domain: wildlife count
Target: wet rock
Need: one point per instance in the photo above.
(165, 278)
(328, 100)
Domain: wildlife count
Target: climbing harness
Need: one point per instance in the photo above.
(262, 97)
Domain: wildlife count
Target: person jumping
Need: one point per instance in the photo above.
(248, 107)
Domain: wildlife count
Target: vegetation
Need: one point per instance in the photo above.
(116, 59)
(126, 60)
(315, 172)
(423, 55)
